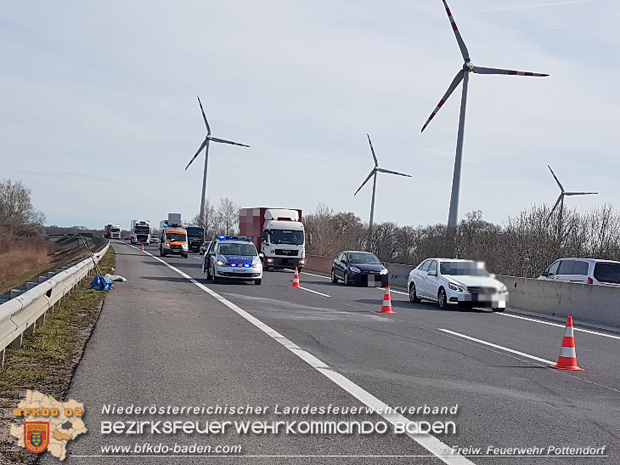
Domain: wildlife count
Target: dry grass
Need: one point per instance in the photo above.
(24, 260)
(48, 359)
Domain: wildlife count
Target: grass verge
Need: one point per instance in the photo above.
(48, 358)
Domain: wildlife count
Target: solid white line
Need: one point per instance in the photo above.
(429, 442)
(317, 275)
(611, 336)
(314, 292)
(522, 354)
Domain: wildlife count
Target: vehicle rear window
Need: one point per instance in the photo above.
(607, 272)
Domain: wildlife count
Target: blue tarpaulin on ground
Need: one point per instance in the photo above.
(100, 283)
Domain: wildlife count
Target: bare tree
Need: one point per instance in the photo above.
(227, 217)
(16, 207)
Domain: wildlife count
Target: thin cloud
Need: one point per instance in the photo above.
(539, 5)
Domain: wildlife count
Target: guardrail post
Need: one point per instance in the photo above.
(30, 329)
(3, 351)
(17, 342)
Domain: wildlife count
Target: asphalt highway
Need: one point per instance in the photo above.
(169, 337)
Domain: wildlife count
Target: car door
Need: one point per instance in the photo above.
(419, 276)
(338, 265)
(565, 271)
(579, 273)
(551, 272)
(432, 280)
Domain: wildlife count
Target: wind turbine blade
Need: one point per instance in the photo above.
(459, 39)
(204, 116)
(365, 181)
(224, 141)
(381, 170)
(483, 70)
(455, 82)
(556, 204)
(580, 193)
(373, 151)
(202, 146)
(556, 179)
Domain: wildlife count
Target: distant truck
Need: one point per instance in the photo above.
(115, 231)
(195, 237)
(140, 231)
(172, 236)
(106, 231)
(278, 235)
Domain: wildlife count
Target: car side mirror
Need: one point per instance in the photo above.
(492, 275)
(432, 273)
(261, 255)
(383, 263)
(545, 273)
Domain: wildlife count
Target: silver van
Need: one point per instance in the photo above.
(583, 270)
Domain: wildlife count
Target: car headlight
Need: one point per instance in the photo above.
(457, 288)
(220, 262)
(355, 269)
(384, 271)
(184, 246)
(503, 289)
(257, 264)
(302, 262)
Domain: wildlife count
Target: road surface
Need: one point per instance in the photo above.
(167, 337)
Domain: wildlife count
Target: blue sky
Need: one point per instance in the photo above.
(98, 110)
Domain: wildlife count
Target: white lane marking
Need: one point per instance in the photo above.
(317, 275)
(429, 442)
(611, 336)
(314, 292)
(522, 354)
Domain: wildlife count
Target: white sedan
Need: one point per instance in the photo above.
(452, 282)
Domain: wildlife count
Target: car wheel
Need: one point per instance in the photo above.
(258, 282)
(346, 279)
(442, 300)
(334, 277)
(499, 310)
(413, 295)
(184, 255)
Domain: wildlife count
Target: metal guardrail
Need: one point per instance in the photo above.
(21, 314)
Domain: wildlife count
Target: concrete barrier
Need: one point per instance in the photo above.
(399, 273)
(319, 264)
(597, 304)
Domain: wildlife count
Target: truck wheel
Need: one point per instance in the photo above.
(258, 282)
(185, 255)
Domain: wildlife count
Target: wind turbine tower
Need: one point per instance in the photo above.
(373, 173)
(205, 145)
(463, 75)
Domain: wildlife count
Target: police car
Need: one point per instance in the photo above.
(233, 257)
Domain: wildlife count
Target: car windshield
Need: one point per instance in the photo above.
(142, 229)
(463, 269)
(607, 272)
(176, 236)
(283, 236)
(195, 232)
(364, 258)
(237, 249)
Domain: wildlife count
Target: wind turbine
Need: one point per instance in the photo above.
(463, 75)
(561, 199)
(374, 172)
(205, 145)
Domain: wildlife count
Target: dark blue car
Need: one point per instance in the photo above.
(359, 268)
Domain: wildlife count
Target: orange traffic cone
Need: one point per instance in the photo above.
(387, 302)
(142, 247)
(296, 279)
(568, 357)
